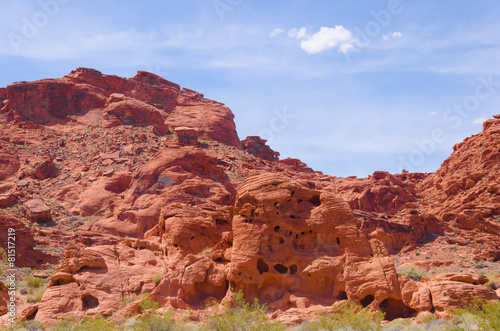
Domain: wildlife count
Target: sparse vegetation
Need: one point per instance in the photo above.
(412, 273)
(35, 294)
(98, 323)
(206, 250)
(157, 278)
(478, 315)
(348, 316)
(244, 316)
(150, 321)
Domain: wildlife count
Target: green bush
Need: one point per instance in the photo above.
(98, 323)
(157, 278)
(35, 294)
(34, 282)
(26, 325)
(412, 273)
(244, 316)
(150, 321)
(478, 315)
(348, 316)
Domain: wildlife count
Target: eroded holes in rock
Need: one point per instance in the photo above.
(342, 295)
(293, 269)
(315, 200)
(239, 273)
(365, 302)
(280, 268)
(276, 228)
(277, 213)
(192, 238)
(89, 302)
(293, 193)
(32, 316)
(249, 221)
(395, 308)
(297, 236)
(276, 204)
(292, 216)
(290, 233)
(221, 222)
(310, 231)
(302, 233)
(404, 178)
(356, 190)
(262, 266)
(219, 260)
(62, 281)
(281, 240)
(338, 241)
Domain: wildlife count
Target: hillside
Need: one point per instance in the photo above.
(122, 188)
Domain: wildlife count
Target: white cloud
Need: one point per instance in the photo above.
(479, 120)
(276, 32)
(325, 38)
(298, 33)
(433, 113)
(393, 35)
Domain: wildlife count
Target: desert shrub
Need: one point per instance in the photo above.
(348, 316)
(35, 294)
(151, 321)
(244, 316)
(412, 273)
(157, 278)
(97, 323)
(3, 256)
(478, 315)
(27, 325)
(34, 282)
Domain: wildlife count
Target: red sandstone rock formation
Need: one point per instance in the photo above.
(255, 145)
(141, 205)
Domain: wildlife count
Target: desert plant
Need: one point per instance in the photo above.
(97, 323)
(478, 315)
(206, 250)
(412, 273)
(151, 321)
(35, 294)
(34, 282)
(243, 316)
(157, 278)
(348, 316)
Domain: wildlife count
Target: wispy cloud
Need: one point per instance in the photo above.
(298, 33)
(276, 32)
(326, 38)
(393, 35)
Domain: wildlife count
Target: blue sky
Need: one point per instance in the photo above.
(349, 88)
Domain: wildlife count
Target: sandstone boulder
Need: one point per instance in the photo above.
(256, 146)
(36, 210)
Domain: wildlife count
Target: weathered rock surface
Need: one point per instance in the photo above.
(24, 242)
(9, 161)
(88, 96)
(36, 210)
(255, 145)
(151, 191)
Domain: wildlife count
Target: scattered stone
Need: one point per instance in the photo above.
(36, 210)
